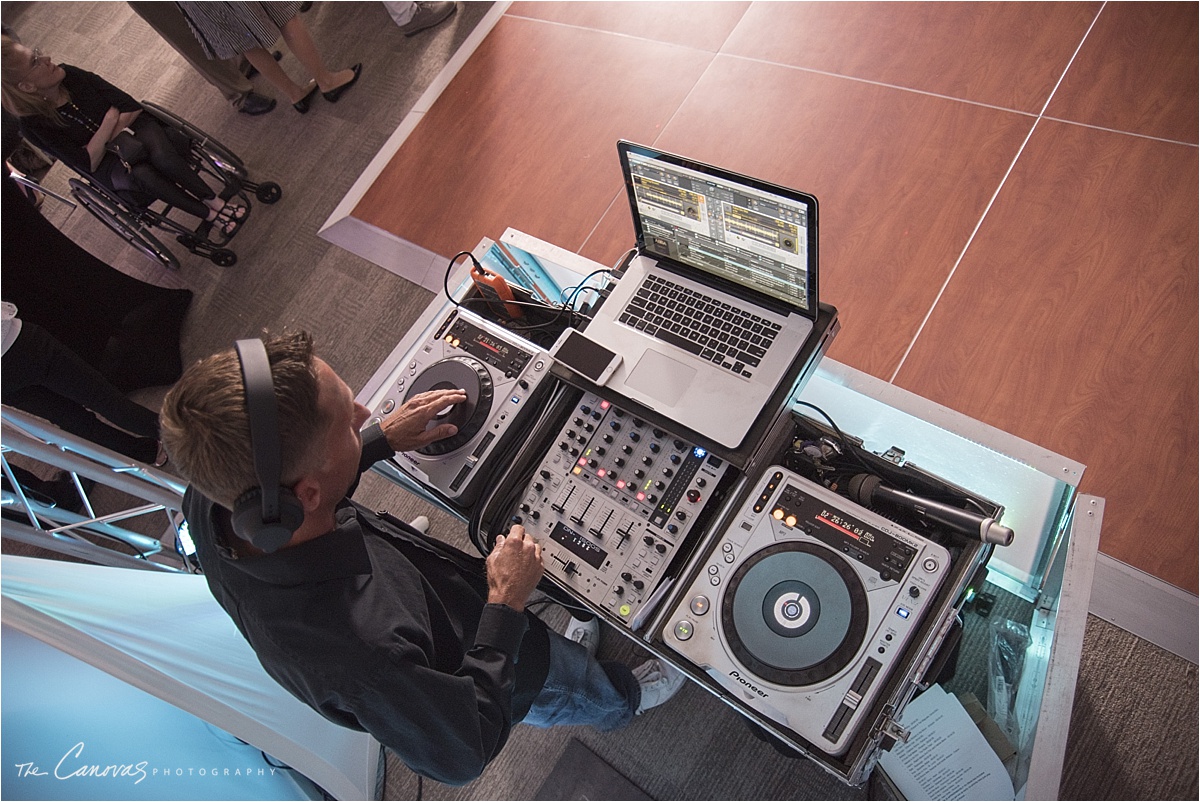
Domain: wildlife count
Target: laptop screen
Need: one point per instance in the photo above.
(755, 234)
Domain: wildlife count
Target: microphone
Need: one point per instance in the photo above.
(867, 489)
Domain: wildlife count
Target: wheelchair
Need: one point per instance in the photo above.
(130, 215)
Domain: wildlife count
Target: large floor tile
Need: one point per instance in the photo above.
(902, 179)
(1136, 72)
(1072, 323)
(703, 25)
(525, 136)
(1005, 54)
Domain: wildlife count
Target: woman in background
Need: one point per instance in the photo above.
(78, 117)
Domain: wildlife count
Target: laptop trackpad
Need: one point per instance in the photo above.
(661, 377)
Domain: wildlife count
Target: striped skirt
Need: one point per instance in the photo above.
(225, 30)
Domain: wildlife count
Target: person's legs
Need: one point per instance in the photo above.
(266, 65)
(582, 690)
(166, 157)
(300, 41)
(171, 25)
(144, 178)
(71, 417)
(37, 359)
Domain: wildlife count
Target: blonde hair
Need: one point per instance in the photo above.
(16, 101)
(205, 427)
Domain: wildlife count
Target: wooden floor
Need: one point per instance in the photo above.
(1008, 197)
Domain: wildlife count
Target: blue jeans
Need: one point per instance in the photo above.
(582, 690)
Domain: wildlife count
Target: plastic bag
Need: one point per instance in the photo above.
(1006, 662)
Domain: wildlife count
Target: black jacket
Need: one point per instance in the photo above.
(91, 98)
(381, 629)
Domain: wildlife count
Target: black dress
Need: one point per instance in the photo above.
(126, 329)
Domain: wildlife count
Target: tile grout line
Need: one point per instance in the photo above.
(712, 58)
(979, 224)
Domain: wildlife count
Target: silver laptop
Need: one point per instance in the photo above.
(720, 298)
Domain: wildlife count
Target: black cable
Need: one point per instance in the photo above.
(566, 306)
(850, 449)
(450, 269)
(519, 462)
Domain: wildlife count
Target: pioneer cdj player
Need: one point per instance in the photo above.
(613, 502)
(500, 372)
(803, 606)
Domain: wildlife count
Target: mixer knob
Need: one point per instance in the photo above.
(638, 422)
(655, 448)
(600, 451)
(524, 385)
(628, 577)
(537, 486)
(639, 473)
(673, 529)
(587, 427)
(634, 436)
(667, 472)
(619, 590)
(585, 409)
(647, 461)
(679, 445)
(516, 519)
(597, 415)
(578, 421)
(649, 541)
(592, 463)
(660, 484)
(619, 462)
(653, 499)
(675, 459)
(701, 482)
(626, 449)
(661, 548)
(563, 446)
(659, 433)
(570, 434)
(639, 584)
(545, 474)
(608, 438)
(614, 425)
(693, 495)
(524, 508)
(620, 413)
(535, 515)
(681, 515)
(574, 452)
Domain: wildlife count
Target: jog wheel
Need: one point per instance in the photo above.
(794, 613)
(457, 372)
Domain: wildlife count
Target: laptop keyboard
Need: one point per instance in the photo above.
(711, 329)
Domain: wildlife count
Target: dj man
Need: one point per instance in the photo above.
(371, 623)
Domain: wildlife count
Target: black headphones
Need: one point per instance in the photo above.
(269, 514)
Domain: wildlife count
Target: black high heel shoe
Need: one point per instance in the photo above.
(303, 103)
(333, 94)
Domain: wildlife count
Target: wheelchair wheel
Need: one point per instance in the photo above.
(105, 209)
(223, 257)
(268, 192)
